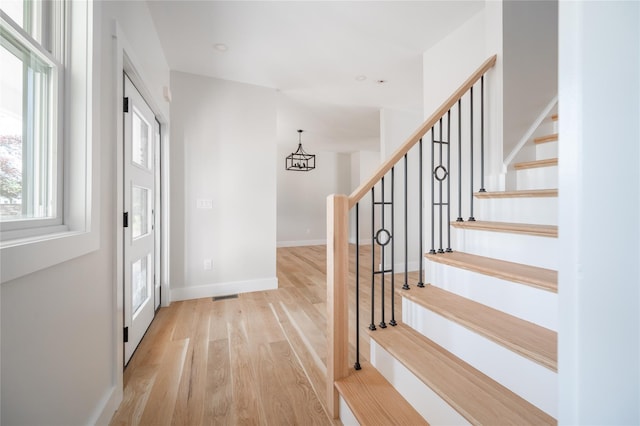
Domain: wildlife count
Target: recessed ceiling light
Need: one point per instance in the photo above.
(381, 81)
(361, 77)
(221, 47)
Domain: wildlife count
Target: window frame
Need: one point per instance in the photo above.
(24, 251)
(23, 45)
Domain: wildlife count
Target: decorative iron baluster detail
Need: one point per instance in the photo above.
(383, 237)
(433, 194)
(440, 179)
(482, 135)
(393, 247)
(382, 263)
(372, 325)
(357, 224)
(405, 286)
(439, 173)
(420, 210)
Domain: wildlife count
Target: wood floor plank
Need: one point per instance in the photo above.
(136, 395)
(304, 400)
(277, 404)
(162, 399)
(218, 397)
(246, 406)
(189, 407)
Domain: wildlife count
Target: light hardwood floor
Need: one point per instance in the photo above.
(259, 358)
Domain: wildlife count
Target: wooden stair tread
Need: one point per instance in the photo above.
(513, 228)
(547, 162)
(554, 117)
(547, 138)
(545, 279)
(474, 395)
(530, 193)
(374, 401)
(537, 343)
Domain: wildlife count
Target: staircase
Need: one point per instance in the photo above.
(477, 344)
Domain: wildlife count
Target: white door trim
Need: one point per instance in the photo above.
(125, 61)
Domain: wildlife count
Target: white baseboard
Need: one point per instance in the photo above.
(108, 405)
(223, 289)
(301, 243)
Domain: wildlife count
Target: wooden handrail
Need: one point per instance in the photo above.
(366, 186)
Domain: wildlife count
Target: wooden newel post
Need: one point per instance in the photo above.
(337, 307)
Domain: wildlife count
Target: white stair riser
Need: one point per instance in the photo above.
(426, 402)
(346, 415)
(537, 178)
(528, 379)
(520, 248)
(547, 150)
(519, 300)
(535, 210)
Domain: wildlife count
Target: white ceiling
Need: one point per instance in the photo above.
(312, 51)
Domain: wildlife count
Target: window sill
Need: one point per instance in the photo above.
(26, 255)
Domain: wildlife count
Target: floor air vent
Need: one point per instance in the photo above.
(229, 296)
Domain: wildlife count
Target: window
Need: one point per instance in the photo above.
(31, 34)
(54, 80)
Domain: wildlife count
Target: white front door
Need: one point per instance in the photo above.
(139, 203)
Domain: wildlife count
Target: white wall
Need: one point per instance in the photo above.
(363, 164)
(450, 61)
(302, 196)
(599, 207)
(223, 149)
(395, 128)
(530, 64)
(58, 348)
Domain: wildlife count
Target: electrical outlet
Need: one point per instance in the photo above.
(208, 264)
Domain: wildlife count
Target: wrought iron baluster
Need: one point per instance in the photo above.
(383, 266)
(440, 201)
(482, 135)
(420, 210)
(357, 364)
(433, 195)
(459, 219)
(471, 218)
(448, 250)
(393, 247)
(405, 286)
(372, 325)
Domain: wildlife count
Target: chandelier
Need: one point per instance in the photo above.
(300, 160)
